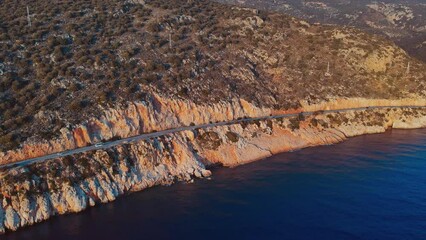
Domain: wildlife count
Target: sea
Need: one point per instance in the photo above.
(368, 187)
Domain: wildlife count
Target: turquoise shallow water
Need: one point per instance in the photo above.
(369, 187)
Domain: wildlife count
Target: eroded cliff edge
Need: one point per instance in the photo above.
(71, 184)
(162, 113)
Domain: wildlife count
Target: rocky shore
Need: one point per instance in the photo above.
(71, 184)
(160, 113)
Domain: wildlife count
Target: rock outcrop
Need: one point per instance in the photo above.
(162, 113)
(133, 119)
(71, 184)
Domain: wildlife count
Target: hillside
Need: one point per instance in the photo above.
(401, 21)
(79, 58)
(104, 98)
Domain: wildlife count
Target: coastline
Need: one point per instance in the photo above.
(73, 183)
(160, 113)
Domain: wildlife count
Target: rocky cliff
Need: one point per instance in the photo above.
(123, 68)
(71, 184)
(135, 118)
(160, 113)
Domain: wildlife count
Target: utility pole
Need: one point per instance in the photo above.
(28, 16)
(408, 69)
(170, 41)
(328, 74)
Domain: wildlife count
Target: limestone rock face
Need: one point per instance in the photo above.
(161, 113)
(75, 199)
(347, 103)
(259, 140)
(70, 184)
(409, 123)
(133, 119)
(12, 220)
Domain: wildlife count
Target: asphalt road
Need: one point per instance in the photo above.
(174, 130)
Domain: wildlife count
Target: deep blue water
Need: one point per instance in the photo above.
(369, 187)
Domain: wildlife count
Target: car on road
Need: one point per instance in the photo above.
(99, 145)
(60, 154)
